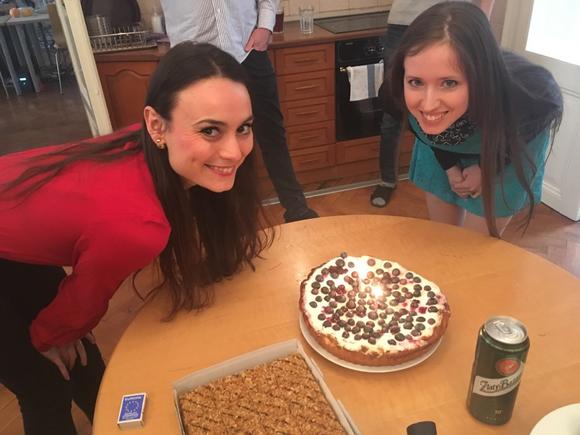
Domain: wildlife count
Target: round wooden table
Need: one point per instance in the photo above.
(481, 277)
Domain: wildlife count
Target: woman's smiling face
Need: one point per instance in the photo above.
(435, 87)
(210, 133)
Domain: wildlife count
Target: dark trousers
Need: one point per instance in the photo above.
(43, 394)
(271, 135)
(390, 127)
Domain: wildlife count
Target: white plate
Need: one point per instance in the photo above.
(360, 368)
(562, 421)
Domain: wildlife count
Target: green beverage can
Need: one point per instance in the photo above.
(500, 356)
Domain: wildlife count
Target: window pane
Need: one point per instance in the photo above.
(555, 30)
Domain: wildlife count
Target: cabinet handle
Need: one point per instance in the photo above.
(304, 60)
(311, 112)
(312, 136)
(304, 88)
(311, 161)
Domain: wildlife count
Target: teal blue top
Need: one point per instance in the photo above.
(510, 196)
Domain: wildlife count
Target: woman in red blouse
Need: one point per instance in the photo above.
(181, 188)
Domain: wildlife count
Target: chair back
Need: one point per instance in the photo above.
(57, 31)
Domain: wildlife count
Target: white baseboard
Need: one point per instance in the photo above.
(552, 197)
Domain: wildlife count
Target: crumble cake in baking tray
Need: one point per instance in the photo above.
(276, 389)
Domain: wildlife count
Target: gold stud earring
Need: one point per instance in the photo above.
(159, 144)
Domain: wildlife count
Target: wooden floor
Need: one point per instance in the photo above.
(47, 118)
(35, 121)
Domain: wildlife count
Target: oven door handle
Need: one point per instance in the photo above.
(342, 69)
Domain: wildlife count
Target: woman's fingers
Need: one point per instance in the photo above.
(64, 357)
(54, 355)
(461, 191)
(91, 337)
(69, 355)
(62, 368)
(80, 350)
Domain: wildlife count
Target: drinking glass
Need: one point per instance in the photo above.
(306, 14)
(279, 25)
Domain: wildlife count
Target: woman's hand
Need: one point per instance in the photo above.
(455, 177)
(64, 357)
(472, 181)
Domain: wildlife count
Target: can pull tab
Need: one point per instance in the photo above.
(502, 327)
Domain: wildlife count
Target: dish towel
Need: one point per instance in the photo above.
(365, 80)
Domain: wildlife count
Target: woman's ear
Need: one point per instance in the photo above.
(156, 124)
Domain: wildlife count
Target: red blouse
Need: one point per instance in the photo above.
(103, 219)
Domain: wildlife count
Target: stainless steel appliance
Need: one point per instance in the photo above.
(356, 119)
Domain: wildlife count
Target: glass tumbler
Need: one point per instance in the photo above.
(306, 14)
(279, 25)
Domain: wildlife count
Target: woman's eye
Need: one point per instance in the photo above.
(449, 83)
(414, 82)
(210, 131)
(245, 129)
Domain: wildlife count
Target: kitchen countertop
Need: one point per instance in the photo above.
(292, 37)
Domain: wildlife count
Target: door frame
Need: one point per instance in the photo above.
(77, 38)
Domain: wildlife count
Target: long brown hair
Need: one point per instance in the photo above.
(213, 235)
(510, 99)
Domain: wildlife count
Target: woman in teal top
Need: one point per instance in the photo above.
(483, 118)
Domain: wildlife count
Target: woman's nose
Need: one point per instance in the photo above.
(230, 149)
(430, 100)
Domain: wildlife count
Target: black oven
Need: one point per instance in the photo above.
(356, 119)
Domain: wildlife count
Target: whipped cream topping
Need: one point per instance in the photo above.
(372, 305)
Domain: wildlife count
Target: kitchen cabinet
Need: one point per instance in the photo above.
(124, 77)
(125, 87)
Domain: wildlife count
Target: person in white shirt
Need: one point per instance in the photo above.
(401, 15)
(243, 28)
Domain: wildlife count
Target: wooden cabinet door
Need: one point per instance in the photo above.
(125, 88)
(304, 59)
(306, 86)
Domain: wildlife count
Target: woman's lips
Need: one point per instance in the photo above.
(434, 117)
(222, 170)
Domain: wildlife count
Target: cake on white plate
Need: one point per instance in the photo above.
(372, 312)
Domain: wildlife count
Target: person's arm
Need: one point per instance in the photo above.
(463, 181)
(267, 14)
(260, 37)
(486, 6)
(101, 261)
(446, 159)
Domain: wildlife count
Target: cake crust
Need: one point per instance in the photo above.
(403, 315)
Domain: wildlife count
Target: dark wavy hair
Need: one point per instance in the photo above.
(510, 99)
(213, 235)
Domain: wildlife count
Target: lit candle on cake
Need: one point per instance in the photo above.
(362, 269)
